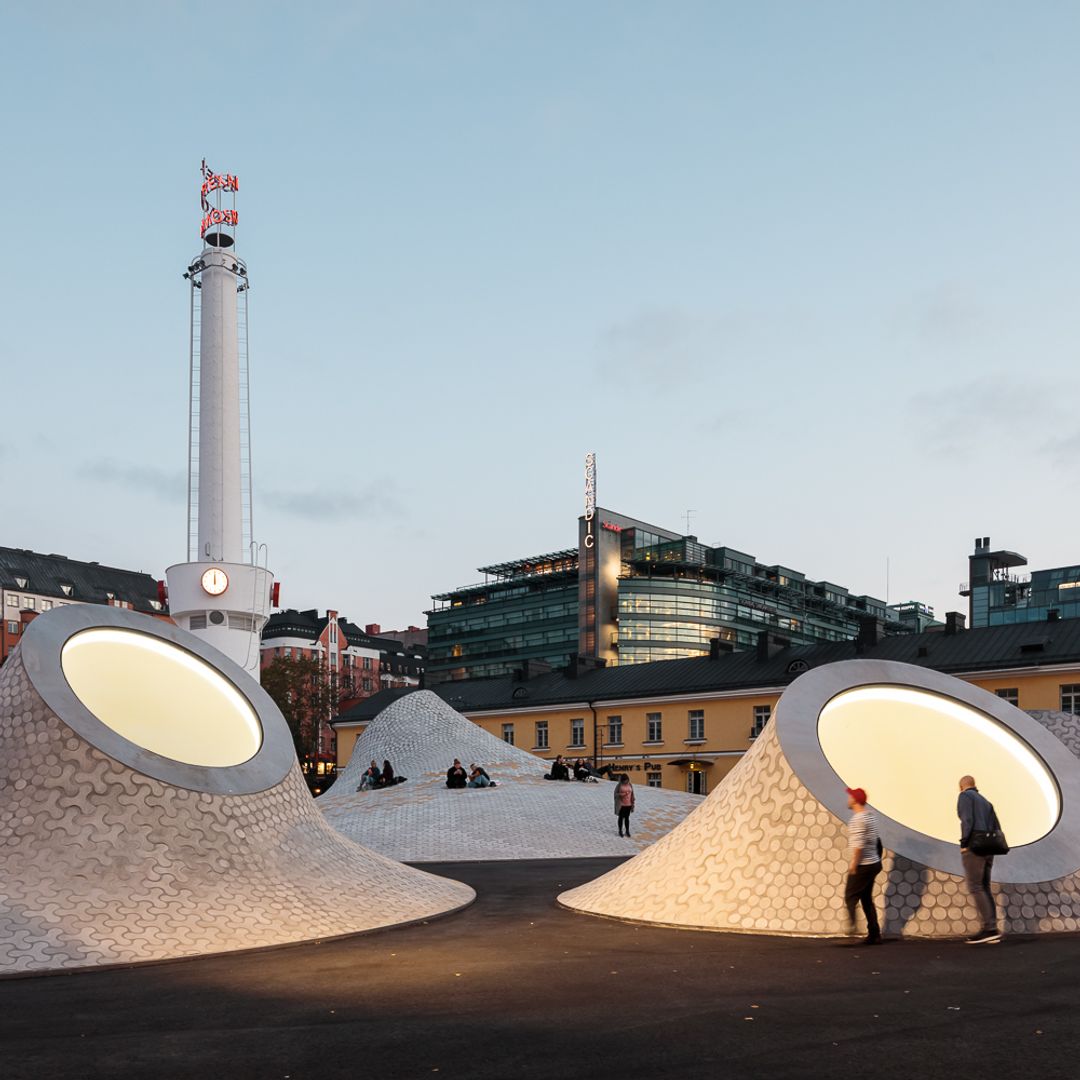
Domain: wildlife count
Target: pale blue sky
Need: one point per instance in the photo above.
(809, 269)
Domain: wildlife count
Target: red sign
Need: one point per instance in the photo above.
(227, 182)
(610, 526)
(213, 181)
(219, 217)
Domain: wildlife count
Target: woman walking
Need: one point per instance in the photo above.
(624, 803)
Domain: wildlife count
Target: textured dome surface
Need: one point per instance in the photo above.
(764, 854)
(525, 817)
(104, 864)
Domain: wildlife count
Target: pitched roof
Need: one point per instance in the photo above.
(967, 652)
(70, 579)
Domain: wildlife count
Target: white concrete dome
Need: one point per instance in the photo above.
(123, 839)
(525, 817)
(766, 852)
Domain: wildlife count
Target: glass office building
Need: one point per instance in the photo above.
(631, 593)
(999, 597)
(524, 611)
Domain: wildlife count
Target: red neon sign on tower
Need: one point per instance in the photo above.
(219, 182)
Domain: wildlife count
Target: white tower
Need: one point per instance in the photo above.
(220, 593)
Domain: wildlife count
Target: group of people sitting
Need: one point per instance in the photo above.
(374, 777)
(580, 770)
(476, 776)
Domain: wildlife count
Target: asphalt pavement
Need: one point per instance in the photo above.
(514, 986)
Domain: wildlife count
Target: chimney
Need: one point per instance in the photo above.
(529, 669)
(580, 664)
(374, 629)
(955, 622)
(719, 647)
(871, 631)
(769, 643)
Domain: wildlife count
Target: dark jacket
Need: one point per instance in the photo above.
(976, 815)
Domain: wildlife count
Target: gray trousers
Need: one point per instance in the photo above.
(977, 875)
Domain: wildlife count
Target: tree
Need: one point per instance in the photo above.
(306, 693)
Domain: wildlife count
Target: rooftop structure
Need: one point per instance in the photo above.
(999, 597)
(631, 593)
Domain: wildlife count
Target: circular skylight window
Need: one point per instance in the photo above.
(909, 747)
(161, 697)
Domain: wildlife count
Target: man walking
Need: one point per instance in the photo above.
(977, 815)
(864, 864)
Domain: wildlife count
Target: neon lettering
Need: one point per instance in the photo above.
(219, 217)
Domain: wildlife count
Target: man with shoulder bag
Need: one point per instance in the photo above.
(981, 839)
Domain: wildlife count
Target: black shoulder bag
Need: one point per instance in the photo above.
(989, 841)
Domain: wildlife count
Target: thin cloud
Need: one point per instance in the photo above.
(370, 504)
(168, 486)
(945, 314)
(1062, 450)
(659, 349)
(956, 419)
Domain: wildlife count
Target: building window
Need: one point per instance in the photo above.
(333, 633)
(46, 605)
(654, 728)
(577, 732)
(1011, 694)
(12, 601)
(1070, 698)
(367, 663)
(697, 724)
(12, 627)
(288, 652)
(762, 713)
(541, 735)
(654, 779)
(67, 589)
(28, 603)
(366, 683)
(614, 730)
(508, 734)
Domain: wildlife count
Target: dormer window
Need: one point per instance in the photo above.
(67, 589)
(21, 582)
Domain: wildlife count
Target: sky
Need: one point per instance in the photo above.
(806, 270)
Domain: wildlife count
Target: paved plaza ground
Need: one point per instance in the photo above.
(516, 987)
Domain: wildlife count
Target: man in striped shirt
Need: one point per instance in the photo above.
(864, 864)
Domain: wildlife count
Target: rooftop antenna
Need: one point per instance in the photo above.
(687, 516)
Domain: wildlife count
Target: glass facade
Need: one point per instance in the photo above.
(669, 599)
(527, 610)
(675, 597)
(1047, 595)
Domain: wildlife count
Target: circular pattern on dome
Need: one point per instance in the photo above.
(1045, 833)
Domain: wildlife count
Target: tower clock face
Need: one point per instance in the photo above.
(215, 581)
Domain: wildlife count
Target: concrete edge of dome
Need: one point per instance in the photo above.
(41, 648)
(1054, 856)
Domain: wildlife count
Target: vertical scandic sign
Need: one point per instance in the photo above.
(590, 498)
(217, 182)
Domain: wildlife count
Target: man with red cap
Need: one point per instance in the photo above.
(864, 864)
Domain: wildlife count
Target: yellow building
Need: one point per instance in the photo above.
(685, 723)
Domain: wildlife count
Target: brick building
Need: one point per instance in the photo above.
(359, 662)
